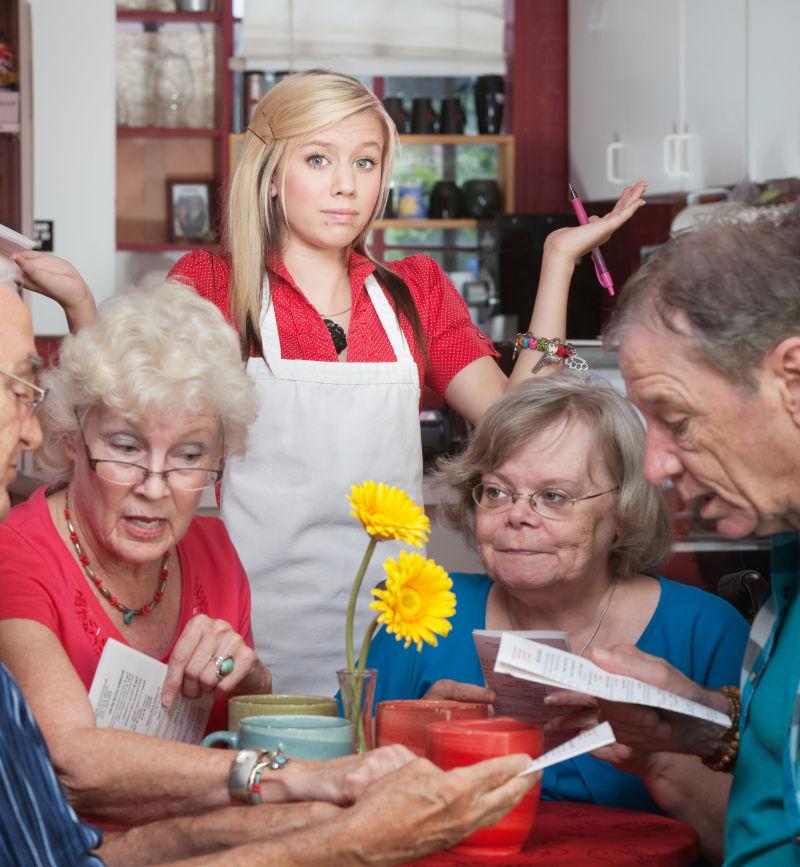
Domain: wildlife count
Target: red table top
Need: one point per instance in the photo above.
(573, 834)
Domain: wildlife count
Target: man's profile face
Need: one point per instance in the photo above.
(18, 431)
(714, 442)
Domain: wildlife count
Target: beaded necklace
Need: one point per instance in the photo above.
(127, 613)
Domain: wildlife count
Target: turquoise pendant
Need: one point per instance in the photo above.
(128, 616)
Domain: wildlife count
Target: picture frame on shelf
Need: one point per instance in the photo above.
(190, 210)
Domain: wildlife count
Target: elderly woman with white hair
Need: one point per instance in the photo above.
(141, 410)
(551, 492)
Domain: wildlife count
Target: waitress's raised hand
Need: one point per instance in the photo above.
(210, 655)
(58, 279)
(573, 242)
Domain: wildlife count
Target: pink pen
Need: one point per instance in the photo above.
(600, 267)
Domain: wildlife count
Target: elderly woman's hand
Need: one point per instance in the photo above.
(340, 781)
(570, 711)
(57, 279)
(193, 667)
(452, 690)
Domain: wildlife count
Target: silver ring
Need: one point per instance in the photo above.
(225, 665)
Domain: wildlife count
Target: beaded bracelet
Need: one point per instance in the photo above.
(723, 757)
(273, 760)
(553, 348)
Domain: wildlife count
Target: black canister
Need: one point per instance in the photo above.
(445, 201)
(451, 116)
(423, 118)
(397, 112)
(489, 100)
(482, 199)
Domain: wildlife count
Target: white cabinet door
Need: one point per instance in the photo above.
(666, 79)
(774, 89)
(623, 92)
(714, 88)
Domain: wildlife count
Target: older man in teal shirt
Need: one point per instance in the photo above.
(709, 347)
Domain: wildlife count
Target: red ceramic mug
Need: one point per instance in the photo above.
(464, 742)
(404, 721)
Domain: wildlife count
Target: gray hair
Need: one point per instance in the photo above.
(9, 273)
(153, 351)
(734, 289)
(643, 538)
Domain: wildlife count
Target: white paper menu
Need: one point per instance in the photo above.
(537, 662)
(591, 739)
(517, 698)
(12, 242)
(126, 694)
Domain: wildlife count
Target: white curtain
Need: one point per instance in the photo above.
(374, 37)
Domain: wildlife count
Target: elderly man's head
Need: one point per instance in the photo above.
(709, 340)
(19, 364)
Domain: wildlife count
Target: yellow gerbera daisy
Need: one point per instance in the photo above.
(389, 513)
(417, 600)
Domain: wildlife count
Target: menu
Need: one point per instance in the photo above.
(518, 698)
(539, 663)
(126, 694)
(588, 740)
(12, 242)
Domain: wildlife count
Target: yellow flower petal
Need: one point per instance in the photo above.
(389, 513)
(417, 600)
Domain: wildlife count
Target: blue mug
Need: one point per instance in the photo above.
(302, 737)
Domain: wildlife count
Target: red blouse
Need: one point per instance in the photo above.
(453, 341)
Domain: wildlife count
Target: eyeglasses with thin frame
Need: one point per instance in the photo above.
(552, 503)
(33, 397)
(129, 474)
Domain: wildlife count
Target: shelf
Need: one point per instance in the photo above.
(169, 132)
(147, 247)
(146, 16)
(427, 224)
(457, 139)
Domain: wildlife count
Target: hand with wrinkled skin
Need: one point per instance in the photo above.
(55, 278)
(420, 808)
(340, 781)
(642, 728)
(453, 690)
(192, 671)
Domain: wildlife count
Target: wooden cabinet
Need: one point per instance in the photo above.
(150, 151)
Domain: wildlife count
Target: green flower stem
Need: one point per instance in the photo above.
(358, 685)
(362, 656)
(348, 643)
(351, 603)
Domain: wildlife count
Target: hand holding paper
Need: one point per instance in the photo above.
(635, 725)
(585, 742)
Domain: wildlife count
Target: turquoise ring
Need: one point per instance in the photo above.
(225, 665)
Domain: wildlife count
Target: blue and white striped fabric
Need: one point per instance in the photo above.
(37, 825)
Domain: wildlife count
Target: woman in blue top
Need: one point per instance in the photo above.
(551, 491)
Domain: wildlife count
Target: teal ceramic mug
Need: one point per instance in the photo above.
(301, 736)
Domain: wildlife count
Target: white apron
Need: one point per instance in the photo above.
(322, 426)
